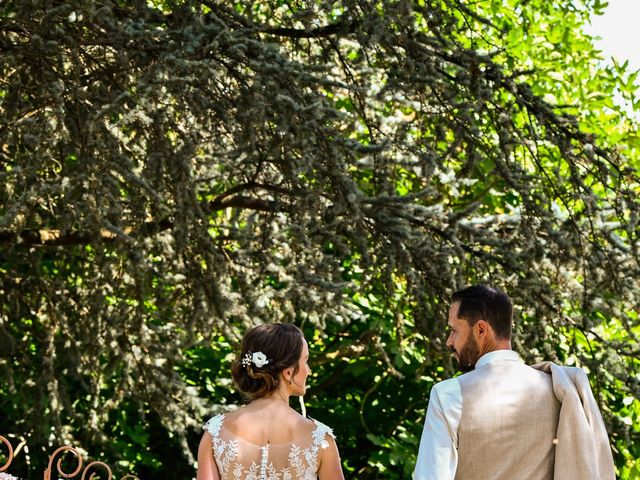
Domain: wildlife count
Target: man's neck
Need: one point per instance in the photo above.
(495, 344)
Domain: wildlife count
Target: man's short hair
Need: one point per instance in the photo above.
(483, 302)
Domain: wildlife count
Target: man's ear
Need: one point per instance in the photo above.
(483, 328)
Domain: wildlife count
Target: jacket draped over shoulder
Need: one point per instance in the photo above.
(582, 451)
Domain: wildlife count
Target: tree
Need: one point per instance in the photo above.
(176, 171)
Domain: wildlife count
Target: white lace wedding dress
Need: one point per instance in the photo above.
(238, 459)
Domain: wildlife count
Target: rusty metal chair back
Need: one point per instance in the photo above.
(93, 465)
(7, 463)
(59, 453)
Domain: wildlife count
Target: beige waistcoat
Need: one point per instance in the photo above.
(508, 424)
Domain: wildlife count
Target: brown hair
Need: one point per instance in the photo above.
(281, 343)
(486, 303)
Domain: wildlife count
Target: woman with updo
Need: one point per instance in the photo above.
(267, 439)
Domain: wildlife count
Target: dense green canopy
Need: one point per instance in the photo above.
(176, 171)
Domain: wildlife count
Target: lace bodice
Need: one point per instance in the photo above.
(238, 459)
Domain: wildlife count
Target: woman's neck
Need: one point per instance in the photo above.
(276, 398)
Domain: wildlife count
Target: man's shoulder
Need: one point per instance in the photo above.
(501, 372)
(450, 386)
(453, 383)
(564, 374)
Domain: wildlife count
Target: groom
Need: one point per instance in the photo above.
(503, 419)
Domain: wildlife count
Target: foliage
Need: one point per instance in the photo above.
(176, 171)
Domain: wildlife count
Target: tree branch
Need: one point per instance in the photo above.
(325, 31)
(53, 237)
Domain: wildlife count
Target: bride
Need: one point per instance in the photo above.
(267, 439)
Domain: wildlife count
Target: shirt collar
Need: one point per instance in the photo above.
(498, 356)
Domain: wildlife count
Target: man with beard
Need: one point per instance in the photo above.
(501, 419)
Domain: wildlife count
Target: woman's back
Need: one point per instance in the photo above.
(267, 439)
(272, 443)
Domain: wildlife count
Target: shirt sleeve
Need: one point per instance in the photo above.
(438, 452)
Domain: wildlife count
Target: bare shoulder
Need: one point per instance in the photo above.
(234, 414)
(297, 423)
(330, 465)
(304, 421)
(206, 442)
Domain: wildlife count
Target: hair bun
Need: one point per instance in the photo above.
(280, 343)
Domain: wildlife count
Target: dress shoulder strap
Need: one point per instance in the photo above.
(214, 425)
(319, 434)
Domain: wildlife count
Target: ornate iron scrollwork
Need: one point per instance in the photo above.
(62, 450)
(9, 458)
(59, 453)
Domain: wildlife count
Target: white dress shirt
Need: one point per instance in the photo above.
(438, 452)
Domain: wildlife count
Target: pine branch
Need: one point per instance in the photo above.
(52, 237)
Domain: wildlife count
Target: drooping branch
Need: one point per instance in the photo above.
(340, 28)
(52, 237)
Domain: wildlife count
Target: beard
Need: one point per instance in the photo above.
(468, 355)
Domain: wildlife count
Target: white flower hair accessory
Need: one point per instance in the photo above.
(259, 359)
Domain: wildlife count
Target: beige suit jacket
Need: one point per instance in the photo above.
(582, 451)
